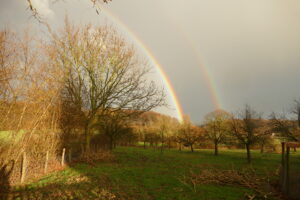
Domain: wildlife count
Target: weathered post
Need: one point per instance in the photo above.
(63, 157)
(46, 162)
(282, 153)
(283, 183)
(287, 160)
(23, 168)
(285, 170)
(282, 170)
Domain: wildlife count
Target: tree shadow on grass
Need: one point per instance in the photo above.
(294, 184)
(83, 183)
(74, 187)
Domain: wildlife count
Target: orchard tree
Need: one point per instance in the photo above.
(101, 74)
(266, 134)
(189, 134)
(296, 110)
(246, 128)
(216, 125)
(285, 127)
(164, 129)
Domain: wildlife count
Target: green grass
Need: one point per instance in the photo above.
(6, 136)
(146, 174)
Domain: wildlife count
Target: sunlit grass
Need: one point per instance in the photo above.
(6, 136)
(147, 174)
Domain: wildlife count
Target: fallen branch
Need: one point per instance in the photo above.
(247, 178)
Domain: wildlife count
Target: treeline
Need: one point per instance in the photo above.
(245, 129)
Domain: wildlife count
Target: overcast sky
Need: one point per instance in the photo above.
(251, 49)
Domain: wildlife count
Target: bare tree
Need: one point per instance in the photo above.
(164, 130)
(246, 128)
(102, 74)
(285, 127)
(216, 126)
(188, 134)
(265, 134)
(296, 110)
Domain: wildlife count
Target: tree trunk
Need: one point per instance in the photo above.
(162, 142)
(88, 143)
(179, 146)
(216, 148)
(111, 143)
(192, 149)
(87, 138)
(262, 148)
(144, 144)
(248, 153)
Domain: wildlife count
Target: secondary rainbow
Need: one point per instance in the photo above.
(210, 83)
(209, 80)
(151, 58)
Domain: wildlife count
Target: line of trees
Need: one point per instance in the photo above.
(247, 128)
(244, 129)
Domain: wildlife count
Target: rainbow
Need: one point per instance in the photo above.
(209, 81)
(151, 58)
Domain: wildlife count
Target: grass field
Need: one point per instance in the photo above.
(140, 173)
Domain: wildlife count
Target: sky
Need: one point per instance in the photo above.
(216, 54)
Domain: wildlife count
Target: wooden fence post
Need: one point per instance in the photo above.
(23, 168)
(287, 160)
(46, 162)
(63, 157)
(285, 170)
(282, 170)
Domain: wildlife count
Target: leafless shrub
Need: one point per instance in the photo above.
(29, 104)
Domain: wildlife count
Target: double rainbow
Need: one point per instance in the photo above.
(206, 74)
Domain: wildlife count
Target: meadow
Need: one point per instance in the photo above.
(137, 173)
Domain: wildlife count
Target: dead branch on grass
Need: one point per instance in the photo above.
(247, 178)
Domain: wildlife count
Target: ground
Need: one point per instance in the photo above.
(138, 173)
